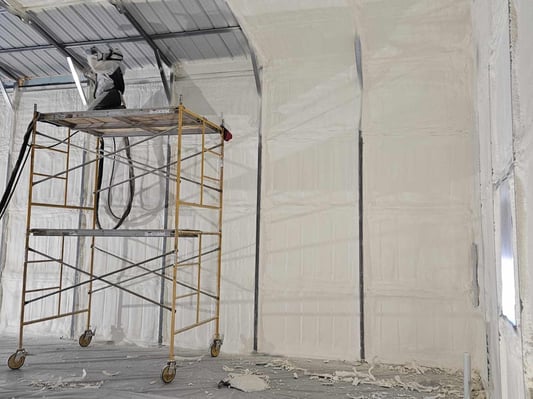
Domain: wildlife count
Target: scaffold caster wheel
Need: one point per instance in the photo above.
(16, 360)
(215, 348)
(85, 338)
(168, 373)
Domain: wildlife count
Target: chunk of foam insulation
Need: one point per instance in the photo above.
(246, 382)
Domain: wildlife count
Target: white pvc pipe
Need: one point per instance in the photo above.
(466, 375)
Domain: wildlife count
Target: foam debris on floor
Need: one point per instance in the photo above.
(67, 383)
(61, 369)
(406, 377)
(246, 382)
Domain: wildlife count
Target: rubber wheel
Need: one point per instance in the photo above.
(15, 362)
(215, 349)
(85, 340)
(168, 374)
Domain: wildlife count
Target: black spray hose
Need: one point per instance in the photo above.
(17, 170)
(23, 157)
(99, 184)
(111, 181)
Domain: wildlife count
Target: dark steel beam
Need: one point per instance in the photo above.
(113, 40)
(188, 33)
(63, 80)
(131, 19)
(27, 48)
(10, 73)
(166, 86)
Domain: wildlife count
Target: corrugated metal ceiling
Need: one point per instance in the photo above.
(181, 15)
(181, 30)
(85, 22)
(14, 33)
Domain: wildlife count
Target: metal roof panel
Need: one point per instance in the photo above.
(15, 33)
(197, 14)
(85, 21)
(173, 49)
(138, 55)
(163, 16)
(236, 43)
(220, 48)
(48, 62)
(225, 12)
(218, 13)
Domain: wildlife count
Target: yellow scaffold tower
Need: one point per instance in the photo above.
(70, 257)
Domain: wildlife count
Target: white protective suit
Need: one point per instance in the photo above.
(109, 71)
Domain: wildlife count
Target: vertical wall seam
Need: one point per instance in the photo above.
(361, 254)
(258, 198)
(359, 70)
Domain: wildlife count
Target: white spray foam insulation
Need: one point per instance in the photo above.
(523, 108)
(418, 129)
(15, 218)
(419, 182)
(504, 120)
(308, 277)
(505, 109)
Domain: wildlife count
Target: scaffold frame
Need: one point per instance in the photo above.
(143, 125)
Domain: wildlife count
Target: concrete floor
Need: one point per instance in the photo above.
(60, 368)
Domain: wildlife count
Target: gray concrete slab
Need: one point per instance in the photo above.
(60, 368)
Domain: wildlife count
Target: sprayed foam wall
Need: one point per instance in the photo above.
(523, 103)
(419, 175)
